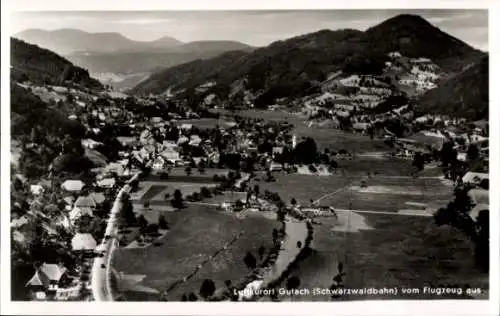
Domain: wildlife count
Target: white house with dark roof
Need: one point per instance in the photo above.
(475, 177)
(98, 197)
(83, 242)
(85, 201)
(78, 212)
(36, 189)
(73, 185)
(106, 182)
(48, 278)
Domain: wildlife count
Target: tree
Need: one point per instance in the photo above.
(142, 221)
(293, 283)
(306, 152)
(448, 154)
(340, 267)
(456, 214)
(192, 297)
(312, 169)
(162, 222)
(127, 212)
(275, 235)
(238, 204)
(418, 161)
(205, 192)
(261, 251)
(482, 250)
(256, 190)
(472, 152)
(177, 201)
(207, 288)
(371, 132)
(250, 261)
(197, 196)
(485, 184)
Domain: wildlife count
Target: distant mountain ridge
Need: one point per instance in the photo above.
(288, 67)
(152, 60)
(68, 41)
(103, 53)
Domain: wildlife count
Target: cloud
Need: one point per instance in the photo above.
(142, 21)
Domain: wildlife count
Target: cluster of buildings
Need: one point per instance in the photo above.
(68, 209)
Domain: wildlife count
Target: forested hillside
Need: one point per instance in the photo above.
(41, 66)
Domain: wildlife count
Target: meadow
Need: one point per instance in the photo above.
(397, 251)
(196, 233)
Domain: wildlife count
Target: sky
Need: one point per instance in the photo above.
(257, 28)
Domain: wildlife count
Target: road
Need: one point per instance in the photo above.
(101, 269)
(423, 214)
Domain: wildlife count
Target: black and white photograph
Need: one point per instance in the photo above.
(320, 155)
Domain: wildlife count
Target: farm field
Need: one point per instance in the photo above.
(196, 233)
(383, 193)
(388, 167)
(392, 195)
(156, 190)
(226, 197)
(397, 251)
(301, 187)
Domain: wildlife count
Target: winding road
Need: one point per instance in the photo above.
(101, 269)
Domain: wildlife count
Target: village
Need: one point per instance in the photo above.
(70, 215)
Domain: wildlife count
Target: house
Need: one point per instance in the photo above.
(474, 213)
(474, 178)
(479, 196)
(159, 163)
(277, 151)
(83, 243)
(474, 138)
(462, 156)
(98, 159)
(78, 212)
(170, 155)
(19, 222)
(73, 185)
(195, 140)
(182, 140)
(98, 197)
(361, 127)
(127, 141)
(227, 206)
(85, 201)
(36, 189)
(115, 167)
(48, 278)
(274, 166)
(156, 119)
(90, 143)
(186, 127)
(106, 183)
(69, 200)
